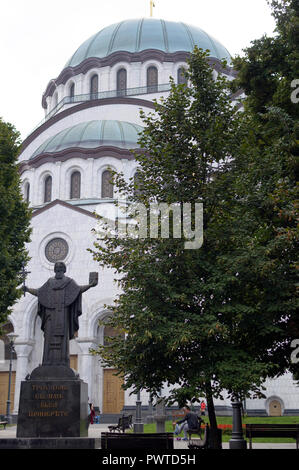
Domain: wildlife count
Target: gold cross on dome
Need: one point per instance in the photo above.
(152, 5)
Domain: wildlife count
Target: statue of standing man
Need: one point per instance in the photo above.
(59, 306)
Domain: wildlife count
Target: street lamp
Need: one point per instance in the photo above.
(11, 337)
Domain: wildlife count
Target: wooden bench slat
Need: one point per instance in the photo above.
(272, 430)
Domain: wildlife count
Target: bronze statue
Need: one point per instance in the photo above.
(59, 306)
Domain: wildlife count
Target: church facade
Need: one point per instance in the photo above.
(92, 120)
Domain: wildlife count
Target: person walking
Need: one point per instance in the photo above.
(203, 408)
(92, 413)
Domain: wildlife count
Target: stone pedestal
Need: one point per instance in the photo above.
(150, 417)
(53, 403)
(237, 440)
(160, 416)
(138, 425)
(50, 443)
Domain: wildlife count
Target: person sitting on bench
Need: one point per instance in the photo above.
(190, 421)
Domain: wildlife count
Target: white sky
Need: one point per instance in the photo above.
(37, 38)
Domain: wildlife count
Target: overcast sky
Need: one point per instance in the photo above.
(37, 38)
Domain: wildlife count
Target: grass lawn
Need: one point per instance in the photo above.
(226, 435)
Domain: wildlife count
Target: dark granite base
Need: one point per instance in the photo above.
(51, 443)
(53, 373)
(53, 407)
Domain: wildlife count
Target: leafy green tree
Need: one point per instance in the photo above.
(174, 306)
(220, 317)
(270, 64)
(267, 73)
(14, 220)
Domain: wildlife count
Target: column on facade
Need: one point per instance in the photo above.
(23, 351)
(86, 361)
(57, 176)
(135, 79)
(90, 182)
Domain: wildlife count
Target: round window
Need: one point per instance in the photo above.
(56, 250)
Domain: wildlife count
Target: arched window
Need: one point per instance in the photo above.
(121, 82)
(27, 192)
(72, 92)
(181, 76)
(152, 79)
(48, 189)
(75, 185)
(94, 87)
(107, 185)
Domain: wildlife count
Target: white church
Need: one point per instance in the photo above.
(91, 122)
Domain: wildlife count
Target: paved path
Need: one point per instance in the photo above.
(96, 429)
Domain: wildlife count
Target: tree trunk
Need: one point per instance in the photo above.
(215, 442)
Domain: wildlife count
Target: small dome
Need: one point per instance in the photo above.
(93, 134)
(137, 35)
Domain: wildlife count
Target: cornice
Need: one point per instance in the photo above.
(77, 152)
(65, 204)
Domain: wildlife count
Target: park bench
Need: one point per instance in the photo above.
(200, 443)
(161, 441)
(124, 422)
(3, 422)
(272, 430)
(197, 430)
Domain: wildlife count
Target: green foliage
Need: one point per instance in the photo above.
(271, 186)
(175, 307)
(222, 316)
(15, 218)
(271, 63)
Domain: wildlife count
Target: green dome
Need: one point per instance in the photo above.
(137, 35)
(93, 134)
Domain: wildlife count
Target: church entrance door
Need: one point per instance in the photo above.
(4, 376)
(275, 408)
(113, 394)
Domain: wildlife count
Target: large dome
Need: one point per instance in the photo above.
(137, 35)
(93, 134)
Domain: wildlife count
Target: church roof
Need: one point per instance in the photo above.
(136, 35)
(93, 134)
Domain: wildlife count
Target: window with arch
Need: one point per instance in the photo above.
(94, 87)
(107, 185)
(55, 99)
(182, 76)
(121, 82)
(72, 92)
(75, 190)
(152, 79)
(27, 192)
(48, 189)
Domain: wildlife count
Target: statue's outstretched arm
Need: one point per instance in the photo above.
(85, 288)
(93, 281)
(31, 291)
